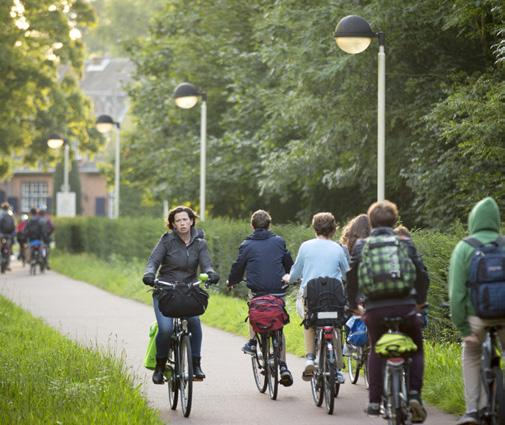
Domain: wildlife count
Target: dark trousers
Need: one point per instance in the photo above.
(411, 327)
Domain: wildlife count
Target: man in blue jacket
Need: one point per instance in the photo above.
(264, 258)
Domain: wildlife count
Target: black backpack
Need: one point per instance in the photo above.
(7, 224)
(486, 278)
(33, 229)
(325, 301)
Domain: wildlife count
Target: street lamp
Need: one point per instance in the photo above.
(104, 124)
(55, 141)
(353, 35)
(186, 96)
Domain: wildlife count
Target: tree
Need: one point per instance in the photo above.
(38, 39)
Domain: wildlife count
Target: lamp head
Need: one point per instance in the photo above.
(186, 95)
(353, 34)
(55, 141)
(105, 123)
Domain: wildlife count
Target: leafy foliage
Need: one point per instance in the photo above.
(40, 61)
(292, 120)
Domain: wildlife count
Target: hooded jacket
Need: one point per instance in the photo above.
(176, 261)
(484, 225)
(264, 258)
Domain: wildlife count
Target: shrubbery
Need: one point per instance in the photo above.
(134, 238)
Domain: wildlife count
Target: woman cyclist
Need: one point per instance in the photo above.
(176, 258)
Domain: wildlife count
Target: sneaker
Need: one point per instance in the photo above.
(416, 407)
(469, 418)
(340, 377)
(373, 409)
(250, 347)
(308, 372)
(286, 377)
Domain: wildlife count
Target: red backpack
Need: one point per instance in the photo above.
(267, 313)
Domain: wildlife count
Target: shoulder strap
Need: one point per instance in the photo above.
(473, 242)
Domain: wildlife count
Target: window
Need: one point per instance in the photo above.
(33, 195)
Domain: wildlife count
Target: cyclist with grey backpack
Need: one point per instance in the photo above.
(391, 275)
(477, 268)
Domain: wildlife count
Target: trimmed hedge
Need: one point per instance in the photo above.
(131, 238)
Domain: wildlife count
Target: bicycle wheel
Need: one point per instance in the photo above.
(317, 381)
(172, 380)
(258, 365)
(185, 375)
(397, 416)
(498, 394)
(329, 370)
(272, 364)
(354, 364)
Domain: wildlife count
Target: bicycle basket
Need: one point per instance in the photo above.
(395, 345)
(182, 300)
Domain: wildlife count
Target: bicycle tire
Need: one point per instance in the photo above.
(273, 364)
(258, 366)
(172, 381)
(317, 381)
(354, 364)
(3, 266)
(329, 371)
(397, 416)
(185, 375)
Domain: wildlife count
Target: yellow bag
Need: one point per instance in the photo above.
(150, 357)
(395, 345)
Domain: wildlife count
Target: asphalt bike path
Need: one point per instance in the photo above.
(228, 395)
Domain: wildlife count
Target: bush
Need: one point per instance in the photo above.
(134, 239)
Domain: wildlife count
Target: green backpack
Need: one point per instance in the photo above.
(385, 269)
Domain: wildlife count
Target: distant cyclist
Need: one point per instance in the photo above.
(21, 237)
(484, 226)
(33, 231)
(47, 231)
(7, 226)
(405, 292)
(264, 259)
(176, 258)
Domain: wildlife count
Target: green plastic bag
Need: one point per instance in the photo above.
(150, 357)
(395, 345)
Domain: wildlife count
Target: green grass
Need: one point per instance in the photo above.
(47, 379)
(443, 374)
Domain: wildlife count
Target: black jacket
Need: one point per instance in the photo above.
(264, 258)
(421, 284)
(176, 261)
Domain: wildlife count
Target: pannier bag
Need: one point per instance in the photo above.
(182, 300)
(395, 344)
(486, 278)
(150, 357)
(325, 302)
(267, 313)
(358, 332)
(385, 269)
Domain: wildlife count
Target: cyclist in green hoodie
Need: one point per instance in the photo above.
(484, 225)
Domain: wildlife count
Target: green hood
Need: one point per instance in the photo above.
(485, 215)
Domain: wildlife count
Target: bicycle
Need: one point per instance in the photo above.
(492, 379)
(396, 350)
(5, 252)
(37, 257)
(328, 346)
(265, 363)
(179, 369)
(357, 360)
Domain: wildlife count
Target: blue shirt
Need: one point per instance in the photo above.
(319, 258)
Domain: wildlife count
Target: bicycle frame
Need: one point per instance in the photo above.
(323, 383)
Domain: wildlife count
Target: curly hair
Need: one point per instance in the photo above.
(171, 215)
(356, 228)
(324, 224)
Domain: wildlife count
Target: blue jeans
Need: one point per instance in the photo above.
(166, 327)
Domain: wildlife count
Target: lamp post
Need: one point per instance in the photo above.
(353, 35)
(55, 141)
(104, 124)
(186, 96)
